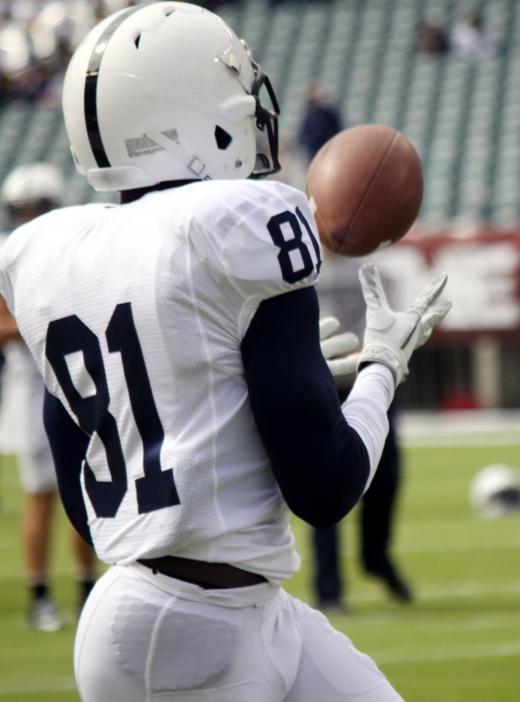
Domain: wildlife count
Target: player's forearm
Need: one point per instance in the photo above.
(320, 462)
(366, 409)
(325, 475)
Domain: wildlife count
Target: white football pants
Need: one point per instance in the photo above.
(145, 637)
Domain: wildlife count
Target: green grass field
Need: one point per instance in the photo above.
(458, 642)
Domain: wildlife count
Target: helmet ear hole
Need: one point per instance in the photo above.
(222, 138)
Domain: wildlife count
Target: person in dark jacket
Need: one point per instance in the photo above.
(339, 294)
(320, 122)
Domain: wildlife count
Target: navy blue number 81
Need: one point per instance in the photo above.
(295, 243)
(156, 489)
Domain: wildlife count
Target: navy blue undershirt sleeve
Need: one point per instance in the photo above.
(69, 447)
(320, 463)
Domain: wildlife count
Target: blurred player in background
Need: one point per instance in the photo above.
(320, 122)
(189, 404)
(29, 191)
(340, 296)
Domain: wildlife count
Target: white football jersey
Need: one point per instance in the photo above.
(135, 314)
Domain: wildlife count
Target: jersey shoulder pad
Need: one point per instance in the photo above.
(265, 234)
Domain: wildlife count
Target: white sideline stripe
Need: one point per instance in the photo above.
(448, 654)
(460, 590)
(464, 428)
(493, 626)
(437, 440)
(471, 421)
(513, 542)
(64, 685)
(425, 547)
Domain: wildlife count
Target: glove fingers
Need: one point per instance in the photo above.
(431, 319)
(344, 366)
(328, 325)
(372, 286)
(339, 344)
(430, 294)
(435, 314)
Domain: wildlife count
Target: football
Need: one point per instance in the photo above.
(365, 187)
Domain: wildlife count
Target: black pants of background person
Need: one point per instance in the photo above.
(376, 513)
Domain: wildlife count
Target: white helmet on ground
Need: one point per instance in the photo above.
(495, 491)
(166, 91)
(32, 184)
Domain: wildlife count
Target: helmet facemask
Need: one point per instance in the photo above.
(266, 126)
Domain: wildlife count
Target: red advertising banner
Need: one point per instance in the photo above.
(484, 276)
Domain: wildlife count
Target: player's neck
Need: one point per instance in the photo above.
(134, 194)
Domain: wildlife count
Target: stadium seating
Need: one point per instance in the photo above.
(463, 116)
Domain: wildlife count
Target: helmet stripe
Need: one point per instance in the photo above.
(90, 94)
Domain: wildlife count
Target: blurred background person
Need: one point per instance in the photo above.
(28, 191)
(339, 294)
(471, 39)
(432, 39)
(320, 121)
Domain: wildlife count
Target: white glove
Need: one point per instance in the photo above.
(391, 337)
(335, 348)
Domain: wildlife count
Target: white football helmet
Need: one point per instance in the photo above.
(31, 184)
(166, 91)
(495, 491)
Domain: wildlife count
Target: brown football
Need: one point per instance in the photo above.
(365, 186)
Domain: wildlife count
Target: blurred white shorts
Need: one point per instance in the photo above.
(21, 424)
(36, 469)
(145, 637)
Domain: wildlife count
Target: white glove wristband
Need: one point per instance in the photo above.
(379, 354)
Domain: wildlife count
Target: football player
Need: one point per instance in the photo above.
(29, 191)
(190, 407)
